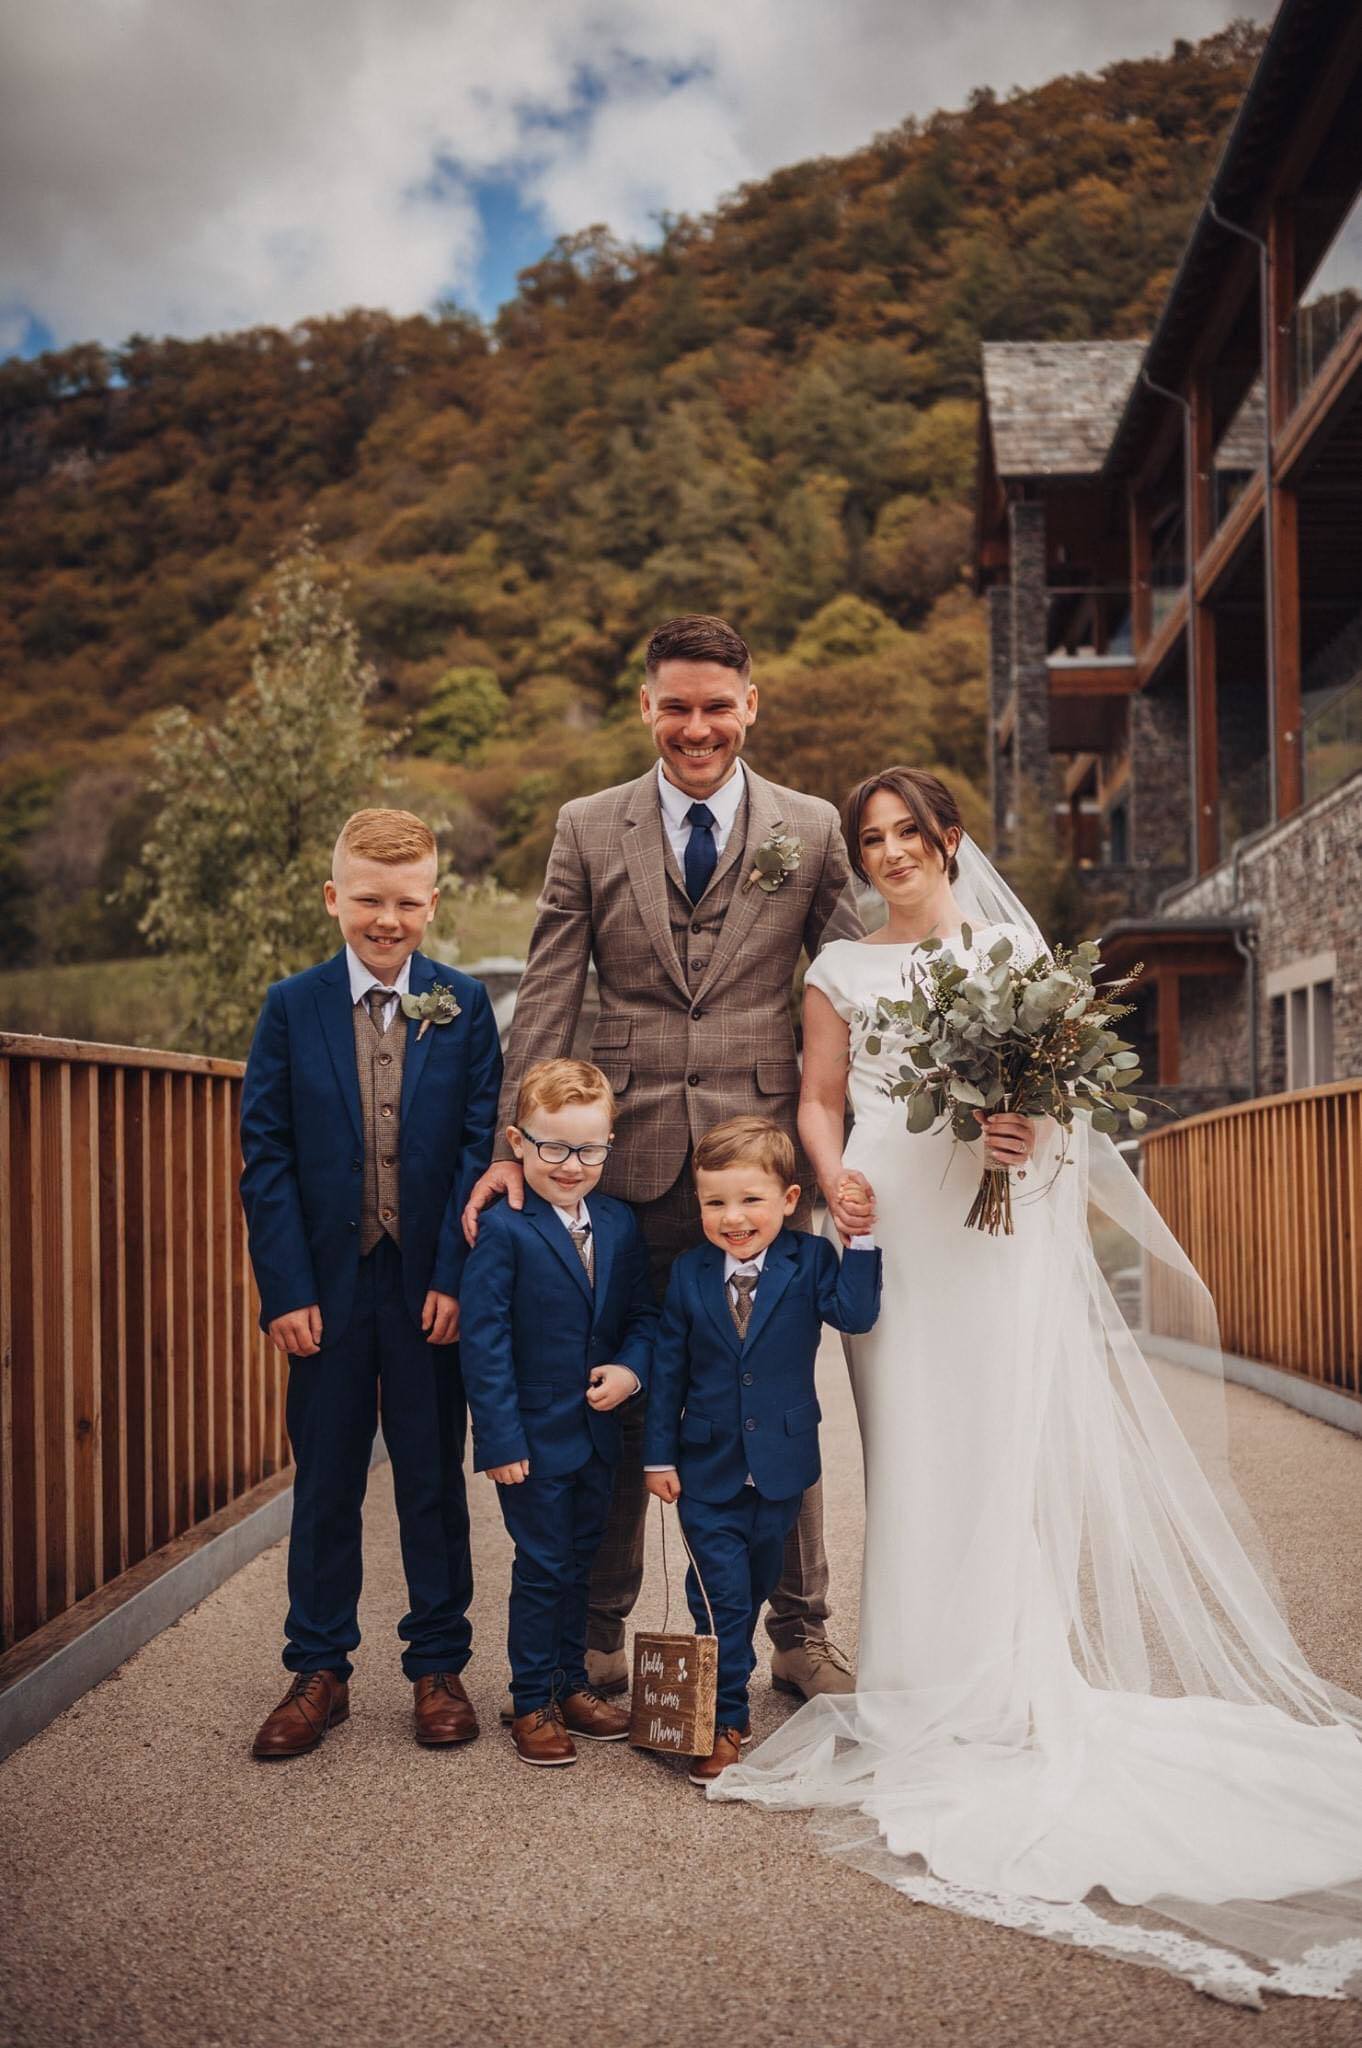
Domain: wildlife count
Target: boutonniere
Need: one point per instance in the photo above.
(773, 860)
(438, 1006)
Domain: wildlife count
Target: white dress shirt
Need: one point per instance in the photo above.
(575, 1219)
(725, 804)
(362, 980)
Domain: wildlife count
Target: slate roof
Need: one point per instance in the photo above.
(1053, 406)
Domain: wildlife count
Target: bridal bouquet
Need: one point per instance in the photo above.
(993, 1035)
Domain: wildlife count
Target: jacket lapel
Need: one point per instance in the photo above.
(603, 1239)
(763, 818)
(645, 859)
(776, 1274)
(556, 1238)
(335, 1010)
(715, 1297)
(417, 1048)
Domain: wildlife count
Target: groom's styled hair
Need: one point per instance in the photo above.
(697, 636)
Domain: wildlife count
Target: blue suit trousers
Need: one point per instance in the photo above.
(739, 1545)
(332, 1413)
(556, 1524)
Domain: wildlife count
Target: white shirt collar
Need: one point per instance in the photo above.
(362, 980)
(573, 1219)
(732, 1265)
(725, 802)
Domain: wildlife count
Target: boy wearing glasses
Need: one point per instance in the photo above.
(557, 1324)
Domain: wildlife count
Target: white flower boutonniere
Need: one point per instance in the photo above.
(774, 859)
(438, 1006)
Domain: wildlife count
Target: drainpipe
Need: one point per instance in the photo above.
(1269, 540)
(1188, 529)
(1246, 945)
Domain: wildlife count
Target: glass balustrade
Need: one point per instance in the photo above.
(1331, 739)
(1085, 624)
(1330, 303)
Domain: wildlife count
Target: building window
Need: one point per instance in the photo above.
(1118, 835)
(1301, 1022)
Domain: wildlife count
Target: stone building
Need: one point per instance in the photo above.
(1169, 534)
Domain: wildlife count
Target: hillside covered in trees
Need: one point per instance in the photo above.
(772, 415)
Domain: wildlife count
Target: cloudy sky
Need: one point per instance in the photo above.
(184, 166)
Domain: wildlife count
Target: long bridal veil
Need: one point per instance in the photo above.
(1114, 1739)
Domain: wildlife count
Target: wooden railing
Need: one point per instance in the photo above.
(1266, 1198)
(137, 1395)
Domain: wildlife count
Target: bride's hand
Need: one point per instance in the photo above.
(1008, 1140)
(851, 1204)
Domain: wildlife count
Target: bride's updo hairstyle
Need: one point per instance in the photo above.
(928, 803)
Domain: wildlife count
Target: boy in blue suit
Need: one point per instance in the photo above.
(732, 1424)
(367, 1112)
(558, 1325)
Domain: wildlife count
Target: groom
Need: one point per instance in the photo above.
(694, 961)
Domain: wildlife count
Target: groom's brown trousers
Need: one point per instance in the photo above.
(799, 1605)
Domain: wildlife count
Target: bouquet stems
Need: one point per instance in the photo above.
(992, 1208)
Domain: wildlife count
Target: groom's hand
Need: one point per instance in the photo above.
(299, 1333)
(505, 1177)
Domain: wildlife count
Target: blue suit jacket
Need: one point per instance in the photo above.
(532, 1328)
(302, 1141)
(720, 1406)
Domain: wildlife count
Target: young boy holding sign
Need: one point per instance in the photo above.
(732, 1425)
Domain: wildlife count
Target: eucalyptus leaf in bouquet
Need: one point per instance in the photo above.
(992, 1034)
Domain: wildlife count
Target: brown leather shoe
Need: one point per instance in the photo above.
(314, 1702)
(541, 1738)
(588, 1713)
(727, 1749)
(443, 1711)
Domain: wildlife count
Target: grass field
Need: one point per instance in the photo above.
(134, 1002)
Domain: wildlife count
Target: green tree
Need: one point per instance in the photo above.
(465, 708)
(251, 805)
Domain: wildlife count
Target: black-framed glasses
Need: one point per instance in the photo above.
(554, 1152)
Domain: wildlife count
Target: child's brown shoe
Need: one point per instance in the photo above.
(541, 1738)
(727, 1749)
(589, 1713)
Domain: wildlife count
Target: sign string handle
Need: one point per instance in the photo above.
(666, 1572)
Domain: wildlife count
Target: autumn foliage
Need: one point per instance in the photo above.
(772, 415)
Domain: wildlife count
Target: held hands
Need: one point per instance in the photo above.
(851, 1203)
(440, 1318)
(1008, 1140)
(610, 1384)
(299, 1333)
(665, 1485)
(512, 1474)
(504, 1177)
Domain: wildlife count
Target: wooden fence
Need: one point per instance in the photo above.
(137, 1395)
(1266, 1198)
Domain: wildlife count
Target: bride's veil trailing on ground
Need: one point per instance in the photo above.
(1140, 1681)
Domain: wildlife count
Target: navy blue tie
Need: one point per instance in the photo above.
(702, 855)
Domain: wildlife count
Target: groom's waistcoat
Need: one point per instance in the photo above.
(380, 1062)
(696, 1020)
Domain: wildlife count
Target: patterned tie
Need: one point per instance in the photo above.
(744, 1286)
(702, 855)
(580, 1233)
(376, 998)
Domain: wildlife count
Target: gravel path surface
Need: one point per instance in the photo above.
(163, 1889)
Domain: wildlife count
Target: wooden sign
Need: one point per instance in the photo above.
(675, 1683)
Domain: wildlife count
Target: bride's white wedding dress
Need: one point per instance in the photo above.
(1079, 1708)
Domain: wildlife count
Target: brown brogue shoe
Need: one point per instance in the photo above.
(443, 1711)
(588, 1713)
(727, 1749)
(314, 1702)
(541, 1738)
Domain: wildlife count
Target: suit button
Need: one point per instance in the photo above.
(386, 1110)
(388, 1215)
(385, 1059)
(390, 1162)
(697, 929)
(355, 1165)
(697, 1013)
(354, 1226)
(751, 1422)
(747, 1379)
(697, 966)
(692, 1080)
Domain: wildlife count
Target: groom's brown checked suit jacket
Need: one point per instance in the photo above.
(695, 1021)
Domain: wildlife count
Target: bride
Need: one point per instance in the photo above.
(1079, 1708)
